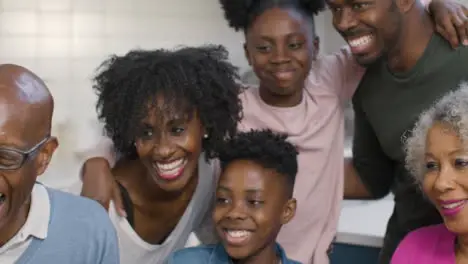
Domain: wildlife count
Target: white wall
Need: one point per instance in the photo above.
(333, 40)
(63, 41)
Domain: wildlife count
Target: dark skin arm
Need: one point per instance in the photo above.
(99, 184)
(369, 173)
(451, 20)
(354, 188)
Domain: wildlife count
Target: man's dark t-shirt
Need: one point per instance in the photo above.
(386, 106)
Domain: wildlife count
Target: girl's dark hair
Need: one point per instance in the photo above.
(240, 14)
(188, 78)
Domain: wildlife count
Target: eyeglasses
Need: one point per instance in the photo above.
(13, 159)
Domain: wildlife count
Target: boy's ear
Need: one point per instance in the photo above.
(289, 211)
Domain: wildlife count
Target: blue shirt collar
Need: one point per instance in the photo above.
(220, 256)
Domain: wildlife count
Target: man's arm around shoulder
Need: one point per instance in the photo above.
(369, 174)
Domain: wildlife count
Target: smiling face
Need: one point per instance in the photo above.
(22, 129)
(169, 145)
(279, 47)
(370, 27)
(446, 179)
(252, 204)
(16, 185)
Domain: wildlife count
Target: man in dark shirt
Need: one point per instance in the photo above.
(409, 67)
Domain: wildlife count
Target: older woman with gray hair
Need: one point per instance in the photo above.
(437, 156)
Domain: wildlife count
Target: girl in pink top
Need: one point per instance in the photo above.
(437, 156)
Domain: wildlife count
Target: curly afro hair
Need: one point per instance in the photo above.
(240, 14)
(268, 149)
(189, 79)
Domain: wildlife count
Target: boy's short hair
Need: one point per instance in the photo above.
(268, 149)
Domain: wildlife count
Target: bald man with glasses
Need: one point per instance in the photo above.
(38, 224)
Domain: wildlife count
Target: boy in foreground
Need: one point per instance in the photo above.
(253, 200)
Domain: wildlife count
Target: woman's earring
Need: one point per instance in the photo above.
(205, 136)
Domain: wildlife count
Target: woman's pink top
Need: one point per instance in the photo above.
(428, 245)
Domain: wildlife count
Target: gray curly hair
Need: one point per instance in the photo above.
(452, 109)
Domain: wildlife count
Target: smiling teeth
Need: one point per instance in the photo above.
(239, 233)
(452, 205)
(168, 168)
(360, 41)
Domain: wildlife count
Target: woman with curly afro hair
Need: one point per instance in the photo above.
(167, 112)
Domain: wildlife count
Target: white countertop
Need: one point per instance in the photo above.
(364, 223)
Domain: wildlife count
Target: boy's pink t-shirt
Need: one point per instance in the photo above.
(316, 127)
(427, 245)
